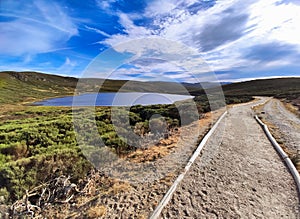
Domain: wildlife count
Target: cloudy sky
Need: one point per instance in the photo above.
(237, 39)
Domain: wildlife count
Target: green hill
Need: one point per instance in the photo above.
(278, 87)
(25, 87)
(22, 87)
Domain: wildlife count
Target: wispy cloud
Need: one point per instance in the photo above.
(97, 31)
(159, 8)
(229, 34)
(33, 29)
(232, 37)
(67, 67)
(131, 30)
(105, 5)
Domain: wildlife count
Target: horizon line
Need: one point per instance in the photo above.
(237, 80)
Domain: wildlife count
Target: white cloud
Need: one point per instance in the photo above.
(171, 56)
(257, 78)
(97, 31)
(177, 24)
(132, 31)
(267, 22)
(271, 23)
(275, 21)
(67, 66)
(36, 29)
(105, 4)
(159, 7)
(223, 33)
(262, 21)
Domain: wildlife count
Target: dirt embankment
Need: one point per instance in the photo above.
(286, 123)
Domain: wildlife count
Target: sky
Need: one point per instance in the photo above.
(152, 40)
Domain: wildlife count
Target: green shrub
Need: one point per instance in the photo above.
(4, 196)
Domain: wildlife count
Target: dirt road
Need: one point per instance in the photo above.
(241, 178)
(287, 123)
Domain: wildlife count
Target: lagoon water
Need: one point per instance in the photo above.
(114, 99)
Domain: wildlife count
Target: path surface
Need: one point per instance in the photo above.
(288, 124)
(244, 178)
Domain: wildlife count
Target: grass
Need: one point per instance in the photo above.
(42, 139)
(27, 87)
(38, 140)
(120, 187)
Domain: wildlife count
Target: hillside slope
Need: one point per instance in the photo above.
(23, 87)
(264, 87)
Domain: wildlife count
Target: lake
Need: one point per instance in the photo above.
(114, 99)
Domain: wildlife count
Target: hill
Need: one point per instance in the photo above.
(24, 87)
(278, 87)
(282, 88)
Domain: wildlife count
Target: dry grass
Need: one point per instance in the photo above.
(9, 108)
(119, 187)
(293, 109)
(96, 212)
(164, 146)
(168, 179)
(293, 155)
(162, 149)
(142, 217)
(278, 137)
(259, 108)
(206, 120)
(151, 154)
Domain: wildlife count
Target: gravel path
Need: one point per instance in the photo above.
(242, 178)
(286, 122)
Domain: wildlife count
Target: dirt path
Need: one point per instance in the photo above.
(287, 123)
(242, 178)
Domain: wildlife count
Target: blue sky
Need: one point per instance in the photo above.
(237, 39)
